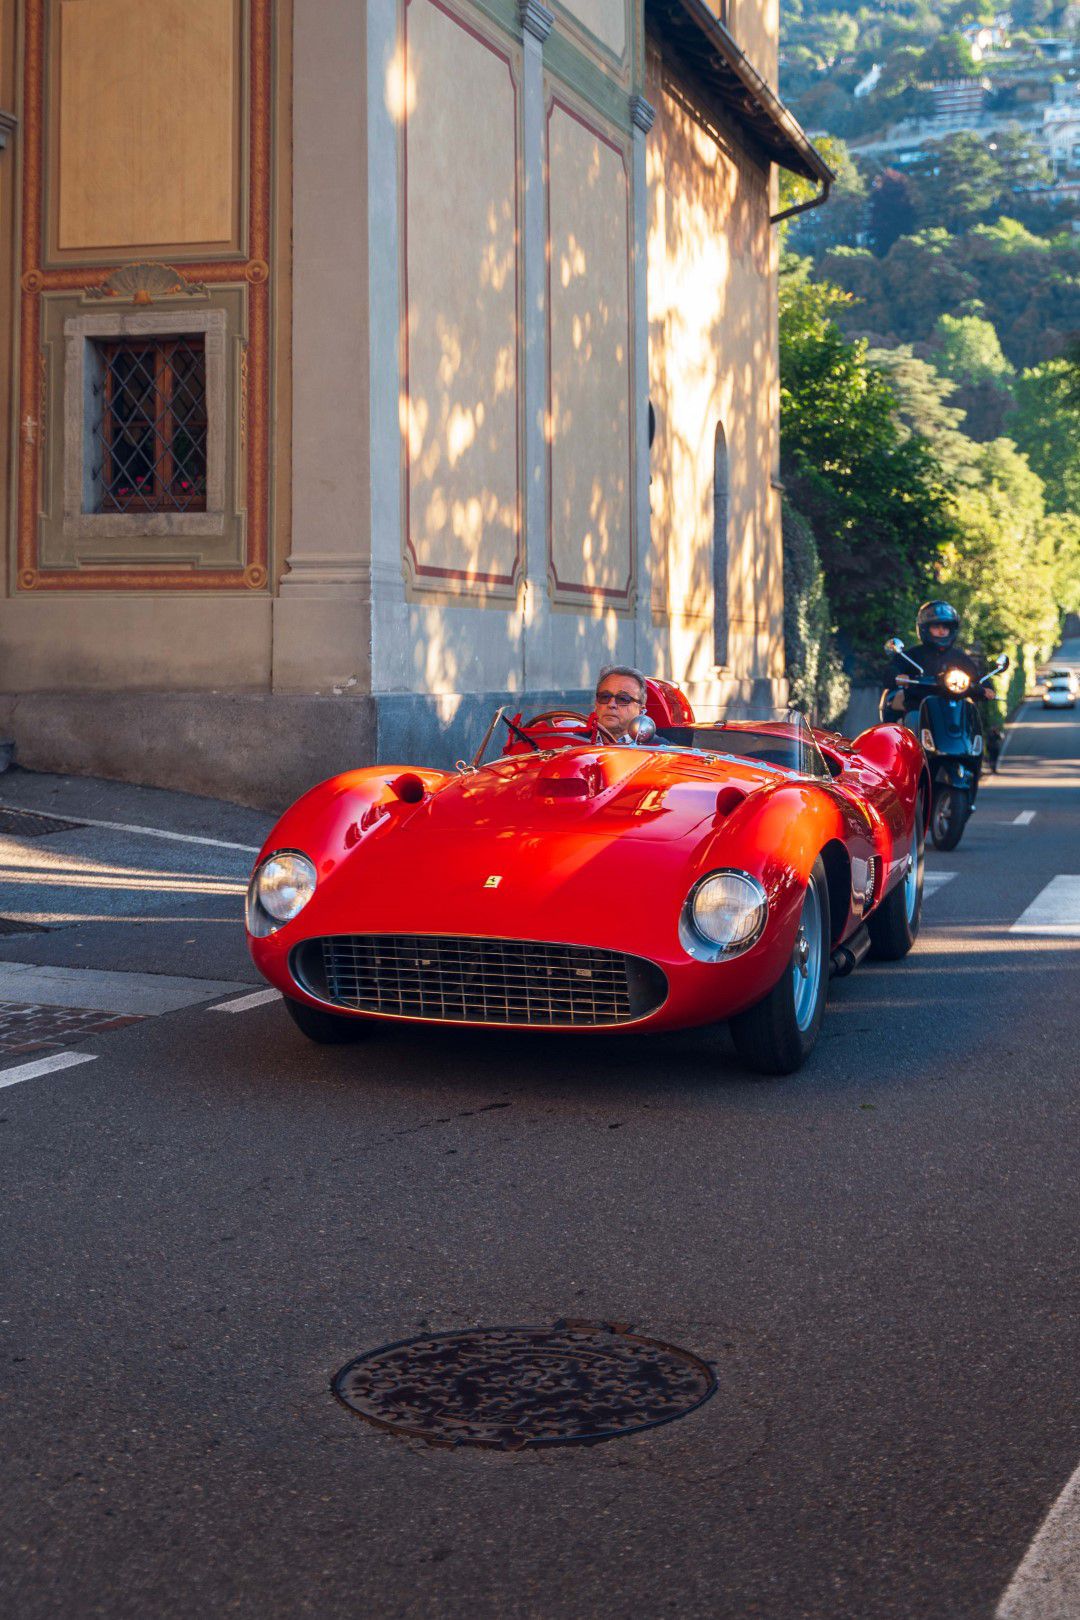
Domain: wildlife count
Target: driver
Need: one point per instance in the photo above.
(938, 624)
(620, 698)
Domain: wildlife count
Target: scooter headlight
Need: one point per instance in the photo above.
(957, 681)
(927, 738)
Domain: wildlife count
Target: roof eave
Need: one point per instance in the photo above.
(725, 76)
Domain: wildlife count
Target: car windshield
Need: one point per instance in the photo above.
(787, 744)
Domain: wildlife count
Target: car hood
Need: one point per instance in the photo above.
(567, 845)
(623, 793)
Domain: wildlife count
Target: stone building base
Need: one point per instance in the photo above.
(264, 749)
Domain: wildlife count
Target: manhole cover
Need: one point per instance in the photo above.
(32, 824)
(572, 1384)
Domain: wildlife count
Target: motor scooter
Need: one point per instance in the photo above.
(951, 732)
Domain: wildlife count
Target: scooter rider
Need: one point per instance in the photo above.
(938, 624)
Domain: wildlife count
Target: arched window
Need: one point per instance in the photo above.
(720, 546)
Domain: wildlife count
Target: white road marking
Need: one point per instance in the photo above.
(256, 999)
(1047, 1584)
(1024, 819)
(1056, 910)
(932, 881)
(147, 832)
(45, 1065)
(137, 994)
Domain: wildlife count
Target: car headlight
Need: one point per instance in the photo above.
(280, 888)
(956, 680)
(723, 915)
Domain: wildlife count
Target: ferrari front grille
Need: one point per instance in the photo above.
(456, 979)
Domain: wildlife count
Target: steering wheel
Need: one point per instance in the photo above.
(591, 727)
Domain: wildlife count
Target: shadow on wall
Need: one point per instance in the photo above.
(711, 363)
(460, 408)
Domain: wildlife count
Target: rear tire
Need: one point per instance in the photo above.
(326, 1028)
(778, 1035)
(949, 817)
(894, 926)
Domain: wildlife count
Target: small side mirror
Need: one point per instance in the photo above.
(1002, 664)
(643, 729)
(894, 645)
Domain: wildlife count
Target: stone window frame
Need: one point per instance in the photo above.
(82, 330)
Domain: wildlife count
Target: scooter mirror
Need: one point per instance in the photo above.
(1002, 664)
(894, 645)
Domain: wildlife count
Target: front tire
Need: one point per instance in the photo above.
(949, 817)
(326, 1028)
(894, 926)
(778, 1035)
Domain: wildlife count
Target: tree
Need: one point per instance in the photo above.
(1046, 426)
(968, 349)
(997, 567)
(816, 681)
(956, 182)
(924, 405)
(1060, 540)
(892, 211)
(871, 493)
(949, 57)
(840, 219)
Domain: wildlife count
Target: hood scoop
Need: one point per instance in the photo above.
(572, 779)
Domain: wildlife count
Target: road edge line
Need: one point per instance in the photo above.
(131, 827)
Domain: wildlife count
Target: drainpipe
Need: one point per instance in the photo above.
(804, 207)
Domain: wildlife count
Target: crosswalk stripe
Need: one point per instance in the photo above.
(932, 881)
(1055, 909)
(256, 999)
(1024, 819)
(1047, 1584)
(45, 1065)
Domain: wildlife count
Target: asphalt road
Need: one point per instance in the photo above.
(205, 1222)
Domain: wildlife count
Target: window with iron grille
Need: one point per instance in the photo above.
(148, 425)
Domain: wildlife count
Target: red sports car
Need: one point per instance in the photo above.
(693, 873)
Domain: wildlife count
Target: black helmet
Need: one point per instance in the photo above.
(938, 613)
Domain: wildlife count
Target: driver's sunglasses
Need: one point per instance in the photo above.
(621, 698)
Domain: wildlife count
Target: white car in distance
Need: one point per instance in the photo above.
(1060, 687)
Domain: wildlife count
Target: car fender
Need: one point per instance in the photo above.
(776, 835)
(332, 818)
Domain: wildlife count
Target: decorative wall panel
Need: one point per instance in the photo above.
(590, 371)
(153, 160)
(461, 371)
(601, 21)
(238, 284)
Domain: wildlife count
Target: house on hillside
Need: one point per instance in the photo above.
(397, 358)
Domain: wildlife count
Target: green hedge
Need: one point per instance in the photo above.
(816, 680)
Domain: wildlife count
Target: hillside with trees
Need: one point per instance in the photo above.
(930, 340)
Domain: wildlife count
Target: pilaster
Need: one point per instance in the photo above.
(645, 649)
(321, 615)
(536, 24)
(384, 98)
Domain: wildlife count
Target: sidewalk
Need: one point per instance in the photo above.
(109, 877)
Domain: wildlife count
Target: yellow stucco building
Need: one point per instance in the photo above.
(368, 361)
